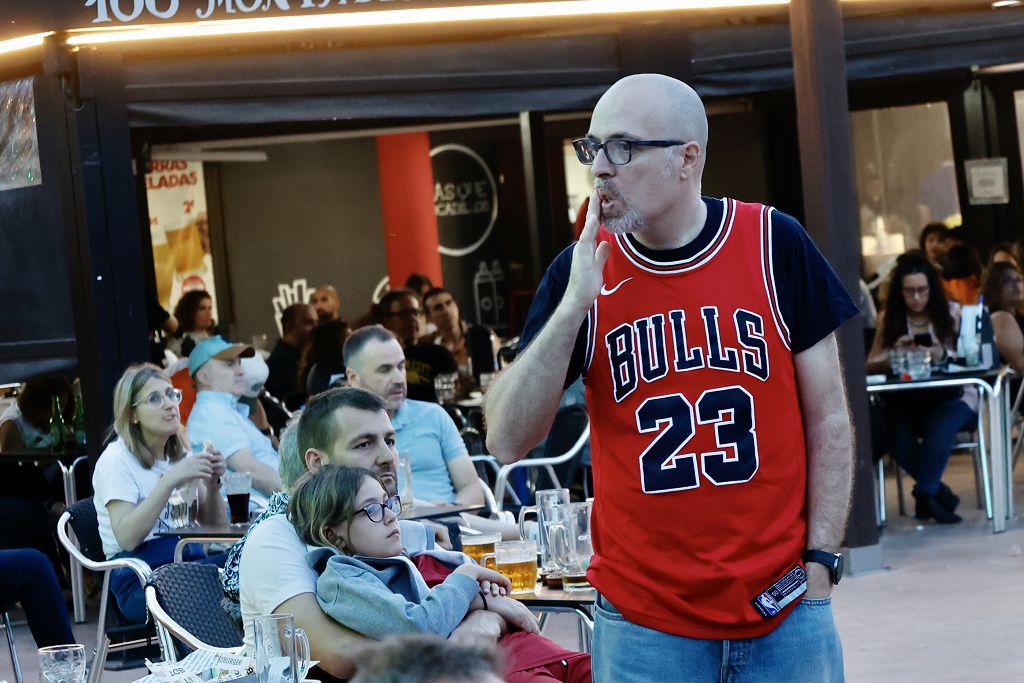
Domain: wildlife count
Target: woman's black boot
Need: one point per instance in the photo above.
(947, 498)
(928, 507)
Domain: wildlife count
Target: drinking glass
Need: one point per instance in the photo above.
(919, 364)
(547, 510)
(62, 663)
(486, 379)
(281, 649)
(444, 387)
(183, 505)
(479, 545)
(238, 486)
(571, 546)
(405, 491)
(517, 561)
(898, 362)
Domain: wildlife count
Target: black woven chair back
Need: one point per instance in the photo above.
(87, 529)
(191, 594)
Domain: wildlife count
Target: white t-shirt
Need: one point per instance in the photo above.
(120, 476)
(272, 570)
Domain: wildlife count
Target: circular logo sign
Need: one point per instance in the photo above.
(465, 199)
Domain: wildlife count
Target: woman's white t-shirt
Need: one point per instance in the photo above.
(120, 476)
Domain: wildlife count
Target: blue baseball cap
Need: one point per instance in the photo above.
(217, 348)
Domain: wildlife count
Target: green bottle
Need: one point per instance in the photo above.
(79, 422)
(56, 427)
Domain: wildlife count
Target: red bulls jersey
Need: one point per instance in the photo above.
(697, 439)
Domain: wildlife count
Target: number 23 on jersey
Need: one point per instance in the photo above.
(665, 465)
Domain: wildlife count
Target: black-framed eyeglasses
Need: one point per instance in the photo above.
(913, 292)
(375, 511)
(156, 398)
(618, 150)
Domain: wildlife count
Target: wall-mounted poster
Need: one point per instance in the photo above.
(179, 230)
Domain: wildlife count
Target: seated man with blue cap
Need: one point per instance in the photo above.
(217, 416)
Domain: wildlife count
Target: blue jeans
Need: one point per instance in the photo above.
(26, 576)
(805, 647)
(937, 424)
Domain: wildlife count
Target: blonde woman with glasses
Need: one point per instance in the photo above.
(148, 480)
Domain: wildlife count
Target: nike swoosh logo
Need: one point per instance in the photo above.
(605, 291)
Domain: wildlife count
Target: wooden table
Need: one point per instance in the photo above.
(204, 534)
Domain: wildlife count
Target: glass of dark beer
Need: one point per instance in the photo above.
(237, 485)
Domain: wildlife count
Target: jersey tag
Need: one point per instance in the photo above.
(784, 591)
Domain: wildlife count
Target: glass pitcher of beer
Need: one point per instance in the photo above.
(517, 561)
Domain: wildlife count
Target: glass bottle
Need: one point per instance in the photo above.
(57, 431)
(79, 422)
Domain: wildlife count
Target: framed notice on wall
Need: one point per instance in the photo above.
(179, 230)
(987, 181)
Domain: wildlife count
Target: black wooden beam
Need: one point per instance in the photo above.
(830, 213)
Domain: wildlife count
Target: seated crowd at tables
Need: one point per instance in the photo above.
(921, 301)
(167, 445)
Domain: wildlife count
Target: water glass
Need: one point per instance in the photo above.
(281, 649)
(445, 385)
(62, 663)
(405, 491)
(183, 505)
(919, 364)
(898, 362)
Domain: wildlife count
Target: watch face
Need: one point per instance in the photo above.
(838, 568)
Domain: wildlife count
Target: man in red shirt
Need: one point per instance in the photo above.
(721, 440)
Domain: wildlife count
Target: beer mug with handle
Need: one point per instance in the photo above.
(571, 548)
(548, 508)
(282, 651)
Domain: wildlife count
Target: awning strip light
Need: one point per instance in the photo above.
(23, 42)
(404, 17)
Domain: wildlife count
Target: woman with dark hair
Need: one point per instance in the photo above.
(934, 242)
(194, 313)
(917, 315)
(323, 358)
(1004, 296)
(1003, 252)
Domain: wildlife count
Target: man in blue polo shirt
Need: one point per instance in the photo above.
(218, 417)
(441, 468)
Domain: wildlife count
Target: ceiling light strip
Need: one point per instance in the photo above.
(23, 42)
(406, 17)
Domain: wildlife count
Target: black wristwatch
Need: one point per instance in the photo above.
(834, 562)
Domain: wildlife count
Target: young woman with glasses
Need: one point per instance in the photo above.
(922, 425)
(373, 583)
(1004, 295)
(145, 477)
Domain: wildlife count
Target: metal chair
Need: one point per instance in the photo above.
(9, 632)
(78, 531)
(184, 600)
(569, 432)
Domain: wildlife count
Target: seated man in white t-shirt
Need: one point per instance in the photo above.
(342, 427)
(442, 471)
(220, 418)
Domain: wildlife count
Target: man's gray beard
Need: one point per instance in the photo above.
(629, 222)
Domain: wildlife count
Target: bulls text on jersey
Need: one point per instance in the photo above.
(649, 348)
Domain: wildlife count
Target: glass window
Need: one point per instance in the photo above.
(903, 158)
(19, 146)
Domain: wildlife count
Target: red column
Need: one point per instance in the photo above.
(407, 198)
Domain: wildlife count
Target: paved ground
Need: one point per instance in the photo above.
(948, 608)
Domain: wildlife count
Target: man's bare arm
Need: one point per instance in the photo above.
(329, 641)
(522, 402)
(465, 481)
(828, 436)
